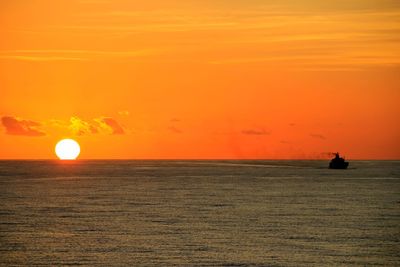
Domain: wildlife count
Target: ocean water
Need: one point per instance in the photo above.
(199, 213)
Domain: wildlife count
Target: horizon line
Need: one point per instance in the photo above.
(191, 159)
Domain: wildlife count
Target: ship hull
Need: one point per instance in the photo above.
(342, 165)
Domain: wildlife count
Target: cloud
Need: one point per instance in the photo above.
(304, 35)
(81, 127)
(94, 1)
(103, 125)
(71, 55)
(110, 124)
(75, 125)
(256, 132)
(318, 136)
(40, 58)
(16, 126)
(124, 113)
(57, 123)
(175, 129)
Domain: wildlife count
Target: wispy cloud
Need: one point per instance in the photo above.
(175, 129)
(40, 58)
(256, 132)
(94, 2)
(71, 55)
(124, 113)
(318, 136)
(298, 35)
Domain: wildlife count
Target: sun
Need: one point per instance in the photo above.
(67, 149)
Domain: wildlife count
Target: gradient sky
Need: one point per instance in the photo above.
(200, 79)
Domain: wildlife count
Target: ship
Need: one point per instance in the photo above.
(338, 163)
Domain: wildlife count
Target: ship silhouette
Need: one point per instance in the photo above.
(338, 163)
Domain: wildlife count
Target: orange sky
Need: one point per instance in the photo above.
(200, 79)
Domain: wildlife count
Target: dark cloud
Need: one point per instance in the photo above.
(318, 136)
(255, 132)
(15, 126)
(113, 125)
(175, 129)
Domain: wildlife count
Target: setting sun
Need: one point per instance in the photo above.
(67, 149)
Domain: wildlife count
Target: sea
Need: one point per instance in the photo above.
(199, 213)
